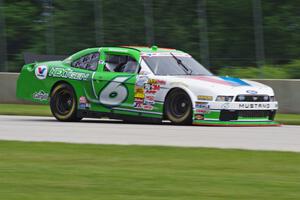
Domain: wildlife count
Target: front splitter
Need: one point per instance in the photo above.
(235, 123)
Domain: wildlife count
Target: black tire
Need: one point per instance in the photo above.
(178, 107)
(63, 103)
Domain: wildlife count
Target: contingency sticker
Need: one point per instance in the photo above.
(198, 117)
(202, 108)
(40, 95)
(83, 103)
(145, 92)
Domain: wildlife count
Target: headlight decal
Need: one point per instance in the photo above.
(205, 98)
(224, 98)
(272, 98)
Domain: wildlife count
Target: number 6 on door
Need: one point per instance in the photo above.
(114, 93)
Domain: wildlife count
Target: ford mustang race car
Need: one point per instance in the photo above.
(144, 84)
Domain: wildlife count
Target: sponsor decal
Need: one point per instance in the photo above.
(161, 82)
(151, 88)
(145, 91)
(40, 95)
(225, 106)
(201, 111)
(41, 72)
(147, 107)
(139, 92)
(82, 106)
(202, 105)
(157, 81)
(150, 98)
(141, 80)
(138, 103)
(82, 99)
(202, 108)
(165, 54)
(152, 81)
(254, 105)
(147, 102)
(199, 117)
(118, 50)
(251, 92)
(206, 98)
(59, 72)
(200, 102)
(83, 103)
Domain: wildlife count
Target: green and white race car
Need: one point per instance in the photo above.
(144, 84)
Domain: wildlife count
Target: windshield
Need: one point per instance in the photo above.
(175, 65)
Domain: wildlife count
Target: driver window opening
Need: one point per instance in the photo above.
(121, 63)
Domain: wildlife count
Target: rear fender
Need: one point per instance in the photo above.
(31, 88)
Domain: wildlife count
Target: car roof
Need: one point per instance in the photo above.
(153, 49)
(134, 50)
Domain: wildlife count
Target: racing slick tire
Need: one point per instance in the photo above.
(63, 103)
(178, 107)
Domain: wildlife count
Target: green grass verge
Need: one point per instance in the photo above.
(60, 171)
(21, 109)
(291, 119)
(43, 110)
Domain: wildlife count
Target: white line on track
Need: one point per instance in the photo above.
(21, 128)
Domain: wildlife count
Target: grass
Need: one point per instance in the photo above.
(291, 119)
(21, 109)
(45, 171)
(43, 110)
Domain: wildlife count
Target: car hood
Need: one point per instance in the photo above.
(219, 85)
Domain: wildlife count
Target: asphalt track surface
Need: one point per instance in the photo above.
(90, 131)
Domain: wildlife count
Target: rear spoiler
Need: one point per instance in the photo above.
(32, 58)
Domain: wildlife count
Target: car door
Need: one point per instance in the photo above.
(86, 63)
(112, 84)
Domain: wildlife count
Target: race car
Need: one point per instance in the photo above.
(147, 84)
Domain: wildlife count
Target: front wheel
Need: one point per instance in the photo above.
(178, 107)
(63, 103)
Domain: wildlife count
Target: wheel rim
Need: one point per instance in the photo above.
(64, 102)
(179, 105)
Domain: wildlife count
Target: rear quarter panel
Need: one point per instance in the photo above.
(32, 88)
(29, 87)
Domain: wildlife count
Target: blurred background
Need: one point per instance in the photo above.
(244, 38)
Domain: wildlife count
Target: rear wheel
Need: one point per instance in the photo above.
(178, 107)
(63, 103)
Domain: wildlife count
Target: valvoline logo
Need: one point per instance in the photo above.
(41, 72)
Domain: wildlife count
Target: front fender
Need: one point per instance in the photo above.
(183, 86)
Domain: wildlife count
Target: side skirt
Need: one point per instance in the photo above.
(127, 118)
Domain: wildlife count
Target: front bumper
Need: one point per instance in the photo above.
(235, 113)
(234, 123)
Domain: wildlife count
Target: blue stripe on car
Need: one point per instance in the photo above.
(235, 81)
